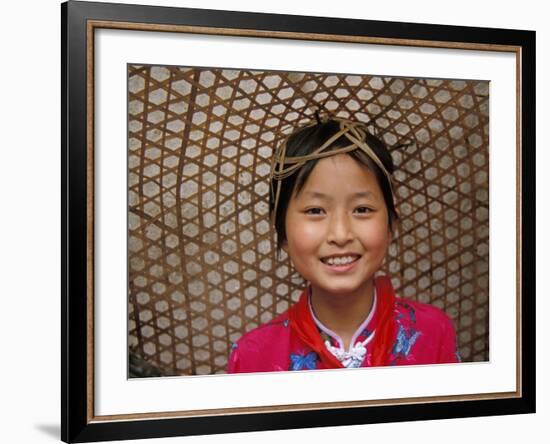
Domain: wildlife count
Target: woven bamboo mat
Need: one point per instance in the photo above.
(203, 268)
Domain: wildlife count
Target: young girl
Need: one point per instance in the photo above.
(332, 205)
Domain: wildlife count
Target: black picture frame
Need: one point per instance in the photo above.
(78, 423)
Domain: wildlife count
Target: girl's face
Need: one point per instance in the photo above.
(337, 227)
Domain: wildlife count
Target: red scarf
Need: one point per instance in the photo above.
(303, 324)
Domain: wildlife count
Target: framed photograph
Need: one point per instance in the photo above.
(178, 127)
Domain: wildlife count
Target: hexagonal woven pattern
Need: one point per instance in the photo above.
(203, 267)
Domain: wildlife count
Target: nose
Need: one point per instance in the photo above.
(340, 229)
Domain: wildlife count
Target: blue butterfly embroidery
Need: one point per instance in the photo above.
(412, 314)
(303, 362)
(405, 341)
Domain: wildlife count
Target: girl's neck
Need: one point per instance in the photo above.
(343, 313)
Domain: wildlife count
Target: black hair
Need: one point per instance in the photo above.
(306, 140)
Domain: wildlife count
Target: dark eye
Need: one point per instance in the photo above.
(363, 210)
(314, 211)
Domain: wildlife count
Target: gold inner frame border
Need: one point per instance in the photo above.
(92, 25)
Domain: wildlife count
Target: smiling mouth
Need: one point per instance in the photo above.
(340, 260)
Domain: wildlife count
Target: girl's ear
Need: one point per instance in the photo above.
(391, 236)
(391, 231)
(394, 224)
(284, 246)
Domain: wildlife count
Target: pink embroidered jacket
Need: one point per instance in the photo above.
(423, 335)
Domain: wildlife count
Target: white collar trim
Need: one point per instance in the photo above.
(357, 351)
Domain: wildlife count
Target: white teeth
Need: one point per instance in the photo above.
(344, 260)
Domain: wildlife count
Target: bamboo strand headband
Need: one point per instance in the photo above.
(283, 166)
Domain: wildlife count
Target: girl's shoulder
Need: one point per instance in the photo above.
(425, 334)
(420, 314)
(262, 349)
(264, 333)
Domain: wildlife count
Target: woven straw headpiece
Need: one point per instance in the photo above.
(283, 166)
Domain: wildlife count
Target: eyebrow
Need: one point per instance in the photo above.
(318, 195)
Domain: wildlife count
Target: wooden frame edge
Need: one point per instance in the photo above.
(91, 26)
